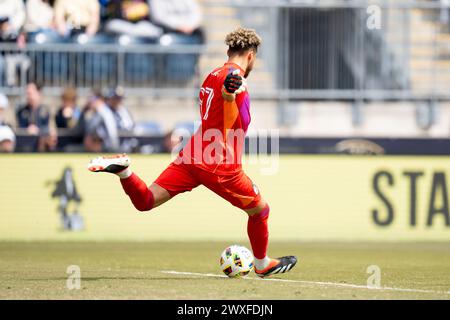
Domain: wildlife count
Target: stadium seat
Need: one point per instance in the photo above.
(49, 67)
(139, 67)
(180, 67)
(148, 128)
(95, 68)
(190, 126)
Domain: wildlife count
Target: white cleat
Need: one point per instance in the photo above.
(111, 164)
(280, 265)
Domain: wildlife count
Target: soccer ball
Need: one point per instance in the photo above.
(236, 261)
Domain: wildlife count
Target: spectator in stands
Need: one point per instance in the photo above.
(130, 17)
(124, 120)
(69, 113)
(2, 62)
(174, 141)
(7, 136)
(183, 16)
(40, 16)
(4, 105)
(48, 140)
(33, 116)
(12, 17)
(77, 16)
(100, 128)
(7, 139)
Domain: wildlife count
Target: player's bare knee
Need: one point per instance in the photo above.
(262, 204)
(160, 195)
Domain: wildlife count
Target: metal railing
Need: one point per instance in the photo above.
(147, 69)
(355, 50)
(311, 50)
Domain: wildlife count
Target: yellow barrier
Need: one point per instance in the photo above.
(311, 198)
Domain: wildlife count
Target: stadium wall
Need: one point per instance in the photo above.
(312, 197)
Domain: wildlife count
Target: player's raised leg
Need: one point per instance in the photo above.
(258, 233)
(144, 198)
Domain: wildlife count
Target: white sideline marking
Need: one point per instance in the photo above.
(319, 283)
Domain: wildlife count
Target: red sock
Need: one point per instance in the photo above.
(138, 192)
(258, 232)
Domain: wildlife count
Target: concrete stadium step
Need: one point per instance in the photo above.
(218, 21)
(426, 64)
(430, 77)
(422, 51)
(427, 46)
(221, 11)
(221, 25)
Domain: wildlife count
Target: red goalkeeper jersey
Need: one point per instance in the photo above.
(218, 144)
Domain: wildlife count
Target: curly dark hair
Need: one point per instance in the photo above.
(242, 40)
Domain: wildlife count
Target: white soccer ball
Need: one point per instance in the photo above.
(236, 261)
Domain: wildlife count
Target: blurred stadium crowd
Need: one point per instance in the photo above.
(102, 124)
(96, 126)
(62, 19)
(111, 75)
(91, 22)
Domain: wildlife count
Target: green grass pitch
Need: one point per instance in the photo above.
(135, 270)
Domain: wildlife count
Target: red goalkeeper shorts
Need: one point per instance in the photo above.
(236, 188)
